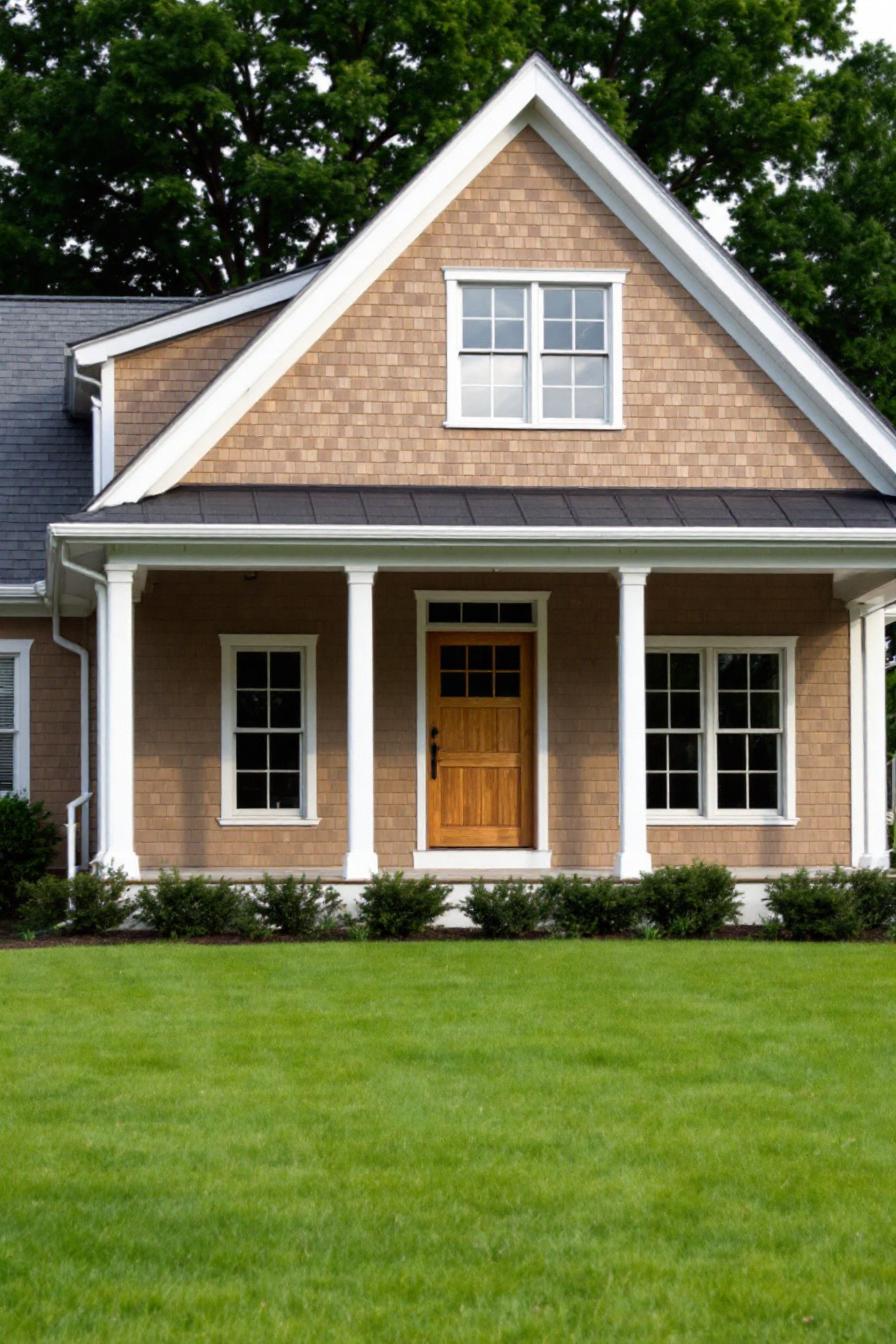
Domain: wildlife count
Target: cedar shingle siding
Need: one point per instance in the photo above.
(368, 401)
(178, 679)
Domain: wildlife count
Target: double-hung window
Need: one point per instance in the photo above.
(535, 349)
(268, 755)
(720, 729)
(15, 728)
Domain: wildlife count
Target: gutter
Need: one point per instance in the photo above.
(113, 533)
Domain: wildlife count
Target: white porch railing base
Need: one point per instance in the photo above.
(111, 858)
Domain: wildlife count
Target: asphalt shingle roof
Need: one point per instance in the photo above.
(447, 507)
(45, 458)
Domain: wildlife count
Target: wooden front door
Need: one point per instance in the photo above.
(480, 740)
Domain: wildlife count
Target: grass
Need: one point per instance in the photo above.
(549, 1141)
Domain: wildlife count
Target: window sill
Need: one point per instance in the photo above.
(689, 819)
(268, 821)
(553, 425)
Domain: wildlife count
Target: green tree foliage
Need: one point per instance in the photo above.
(176, 145)
(825, 245)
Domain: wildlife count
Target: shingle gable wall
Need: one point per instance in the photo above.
(368, 401)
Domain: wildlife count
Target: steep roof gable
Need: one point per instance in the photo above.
(535, 96)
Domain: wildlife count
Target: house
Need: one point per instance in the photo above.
(526, 532)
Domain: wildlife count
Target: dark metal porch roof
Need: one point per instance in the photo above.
(384, 506)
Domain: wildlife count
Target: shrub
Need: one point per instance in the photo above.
(587, 906)
(300, 906)
(874, 896)
(508, 908)
(690, 901)
(193, 907)
(395, 906)
(87, 903)
(29, 839)
(814, 909)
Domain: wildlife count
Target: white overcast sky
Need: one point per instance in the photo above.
(873, 21)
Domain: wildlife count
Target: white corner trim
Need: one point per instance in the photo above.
(20, 650)
(183, 321)
(230, 814)
(534, 96)
(105, 450)
(482, 860)
(539, 627)
(856, 735)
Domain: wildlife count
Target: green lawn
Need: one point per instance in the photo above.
(549, 1141)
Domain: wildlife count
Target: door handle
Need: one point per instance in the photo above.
(433, 753)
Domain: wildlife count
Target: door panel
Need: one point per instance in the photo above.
(480, 707)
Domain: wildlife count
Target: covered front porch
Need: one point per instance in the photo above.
(554, 646)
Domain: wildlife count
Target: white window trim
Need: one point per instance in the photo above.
(708, 646)
(20, 649)
(611, 280)
(230, 815)
(484, 859)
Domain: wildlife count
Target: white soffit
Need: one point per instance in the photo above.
(534, 96)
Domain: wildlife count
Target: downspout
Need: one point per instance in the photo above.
(84, 657)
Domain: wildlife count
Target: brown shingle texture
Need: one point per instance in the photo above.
(367, 402)
(153, 385)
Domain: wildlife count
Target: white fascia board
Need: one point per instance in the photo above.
(775, 537)
(535, 96)
(224, 308)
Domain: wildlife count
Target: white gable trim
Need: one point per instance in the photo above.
(224, 308)
(535, 96)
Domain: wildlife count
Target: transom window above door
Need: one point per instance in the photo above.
(538, 349)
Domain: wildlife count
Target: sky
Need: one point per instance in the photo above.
(873, 21)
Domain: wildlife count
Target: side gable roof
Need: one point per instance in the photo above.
(45, 455)
(537, 97)
(192, 315)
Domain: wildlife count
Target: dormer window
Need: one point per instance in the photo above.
(535, 349)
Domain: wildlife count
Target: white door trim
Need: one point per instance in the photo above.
(468, 859)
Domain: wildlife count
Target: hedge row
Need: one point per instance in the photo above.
(691, 901)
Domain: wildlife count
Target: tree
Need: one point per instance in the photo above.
(825, 244)
(175, 145)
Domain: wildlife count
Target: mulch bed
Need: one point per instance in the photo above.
(11, 942)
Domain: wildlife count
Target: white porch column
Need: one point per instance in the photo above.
(101, 794)
(876, 853)
(119, 719)
(633, 857)
(360, 859)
